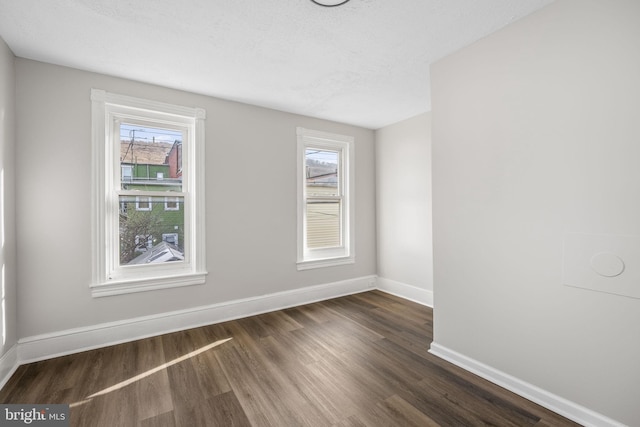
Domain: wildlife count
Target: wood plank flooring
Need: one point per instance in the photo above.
(359, 360)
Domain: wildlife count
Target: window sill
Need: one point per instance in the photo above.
(130, 286)
(327, 262)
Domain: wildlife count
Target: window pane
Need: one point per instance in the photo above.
(322, 168)
(323, 224)
(150, 158)
(149, 233)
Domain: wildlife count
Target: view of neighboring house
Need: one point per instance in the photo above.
(174, 160)
(162, 252)
(323, 207)
(151, 227)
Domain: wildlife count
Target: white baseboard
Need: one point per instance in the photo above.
(409, 292)
(555, 403)
(70, 341)
(8, 364)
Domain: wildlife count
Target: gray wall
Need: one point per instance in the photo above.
(536, 135)
(247, 148)
(403, 202)
(8, 303)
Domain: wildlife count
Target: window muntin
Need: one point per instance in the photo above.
(148, 164)
(325, 189)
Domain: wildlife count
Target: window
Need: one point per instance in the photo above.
(171, 203)
(127, 173)
(143, 203)
(138, 193)
(325, 196)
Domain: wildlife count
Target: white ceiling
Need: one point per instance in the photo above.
(365, 63)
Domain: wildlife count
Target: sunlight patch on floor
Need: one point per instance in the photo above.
(150, 372)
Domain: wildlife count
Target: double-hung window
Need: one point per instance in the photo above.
(148, 195)
(325, 199)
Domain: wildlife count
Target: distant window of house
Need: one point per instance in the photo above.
(143, 203)
(325, 197)
(132, 181)
(127, 173)
(172, 203)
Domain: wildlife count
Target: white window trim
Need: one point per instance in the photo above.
(108, 278)
(326, 257)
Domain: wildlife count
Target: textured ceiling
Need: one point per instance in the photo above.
(365, 63)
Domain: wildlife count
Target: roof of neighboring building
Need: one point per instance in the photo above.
(143, 152)
(323, 176)
(162, 252)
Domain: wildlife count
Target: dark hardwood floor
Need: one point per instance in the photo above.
(360, 360)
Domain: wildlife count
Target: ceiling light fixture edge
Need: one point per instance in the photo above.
(328, 3)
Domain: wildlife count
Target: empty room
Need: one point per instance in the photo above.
(320, 213)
